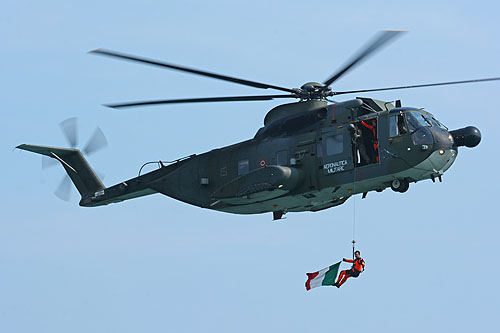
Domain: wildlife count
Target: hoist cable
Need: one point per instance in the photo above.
(355, 160)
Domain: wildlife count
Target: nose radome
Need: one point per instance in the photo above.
(469, 136)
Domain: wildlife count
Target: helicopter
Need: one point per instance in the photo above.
(310, 155)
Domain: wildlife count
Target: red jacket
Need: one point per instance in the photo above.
(374, 131)
(357, 264)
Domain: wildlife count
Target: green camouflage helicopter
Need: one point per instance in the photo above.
(309, 156)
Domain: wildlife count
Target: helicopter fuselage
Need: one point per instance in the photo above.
(306, 160)
(309, 156)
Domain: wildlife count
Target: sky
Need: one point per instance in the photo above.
(155, 264)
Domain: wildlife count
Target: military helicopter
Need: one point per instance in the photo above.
(309, 156)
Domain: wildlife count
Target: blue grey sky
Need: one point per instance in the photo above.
(155, 264)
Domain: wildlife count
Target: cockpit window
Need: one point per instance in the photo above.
(422, 119)
(438, 124)
(413, 122)
(419, 119)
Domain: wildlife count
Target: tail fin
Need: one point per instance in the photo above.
(77, 167)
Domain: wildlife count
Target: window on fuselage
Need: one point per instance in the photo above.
(334, 144)
(281, 158)
(243, 167)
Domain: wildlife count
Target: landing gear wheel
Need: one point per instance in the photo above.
(400, 185)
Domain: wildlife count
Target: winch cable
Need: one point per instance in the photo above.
(355, 161)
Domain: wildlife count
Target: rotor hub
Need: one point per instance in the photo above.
(313, 90)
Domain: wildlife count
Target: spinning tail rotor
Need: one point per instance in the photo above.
(69, 127)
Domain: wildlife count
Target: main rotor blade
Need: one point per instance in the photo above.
(200, 100)
(416, 86)
(70, 130)
(383, 38)
(97, 142)
(189, 70)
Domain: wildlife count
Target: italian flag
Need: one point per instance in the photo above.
(324, 277)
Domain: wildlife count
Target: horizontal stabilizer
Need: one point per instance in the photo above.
(77, 167)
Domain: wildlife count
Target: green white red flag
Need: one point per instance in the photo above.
(325, 277)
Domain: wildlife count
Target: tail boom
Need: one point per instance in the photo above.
(92, 190)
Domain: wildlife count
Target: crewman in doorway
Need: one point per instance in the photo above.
(358, 146)
(358, 266)
(370, 139)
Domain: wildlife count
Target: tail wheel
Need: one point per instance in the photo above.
(400, 185)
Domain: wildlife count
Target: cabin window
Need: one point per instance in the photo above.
(281, 158)
(334, 144)
(397, 125)
(243, 167)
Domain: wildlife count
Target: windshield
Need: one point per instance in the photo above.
(436, 122)
(418, 119)
(414, 122)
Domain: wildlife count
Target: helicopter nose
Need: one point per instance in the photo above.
(469, 136)
(442, 139)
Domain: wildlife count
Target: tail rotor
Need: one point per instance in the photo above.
(97, 142)
(70, 129)
(63, 191)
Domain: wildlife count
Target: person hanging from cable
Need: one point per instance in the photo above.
(358, 266)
